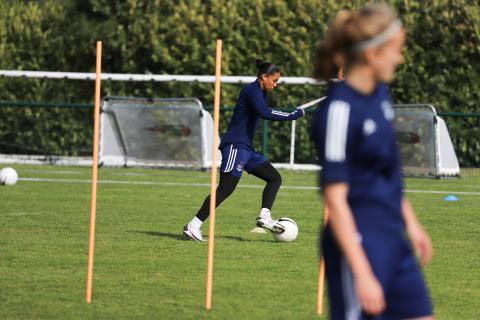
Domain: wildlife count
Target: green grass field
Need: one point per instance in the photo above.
(144, 269)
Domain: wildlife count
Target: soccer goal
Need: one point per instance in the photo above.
(175, 132)
(425, 145)
(179, 133)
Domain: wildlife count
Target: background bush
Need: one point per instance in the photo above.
(442, 57)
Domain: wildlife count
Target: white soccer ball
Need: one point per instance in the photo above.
(8, 176)
(291, 230)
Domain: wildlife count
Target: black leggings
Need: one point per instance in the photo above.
(228, 183)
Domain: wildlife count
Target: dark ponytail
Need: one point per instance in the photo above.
(266, 68)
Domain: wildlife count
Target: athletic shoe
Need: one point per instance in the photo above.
(192, 234)
(270, 224)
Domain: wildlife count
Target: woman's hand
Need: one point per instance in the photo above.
(302, 111)
(420, 240)
(421, 243)
(370, 294)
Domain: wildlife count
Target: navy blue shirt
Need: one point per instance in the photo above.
(250, 107)
(355, 141)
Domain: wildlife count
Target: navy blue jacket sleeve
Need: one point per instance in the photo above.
(256, 100)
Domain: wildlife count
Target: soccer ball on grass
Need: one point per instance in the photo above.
(291, 230)
(8, 176)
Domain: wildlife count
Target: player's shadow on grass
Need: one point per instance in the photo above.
(178, 236)
(236, 238)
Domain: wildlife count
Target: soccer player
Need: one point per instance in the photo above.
(371, 269)
(238, 153)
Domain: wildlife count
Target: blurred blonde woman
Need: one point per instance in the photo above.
(371, 269)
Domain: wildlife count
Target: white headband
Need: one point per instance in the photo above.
(380, 38)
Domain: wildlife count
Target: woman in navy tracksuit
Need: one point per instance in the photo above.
(238, 153)
(371, 269)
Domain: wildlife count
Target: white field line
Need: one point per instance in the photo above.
(54, 171)
(18, 214)
(188, 184)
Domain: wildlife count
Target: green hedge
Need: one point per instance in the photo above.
(442, 57)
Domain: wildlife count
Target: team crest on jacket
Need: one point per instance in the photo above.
(369, 127)
(240, 166)
(387, 109)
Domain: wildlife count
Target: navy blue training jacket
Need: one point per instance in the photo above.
(250, 107)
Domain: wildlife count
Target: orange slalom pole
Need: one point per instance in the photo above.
(93, 202)
(213, 179)
(321, 271)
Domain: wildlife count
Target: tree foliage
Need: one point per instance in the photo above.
(442, 56)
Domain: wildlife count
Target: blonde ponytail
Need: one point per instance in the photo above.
(344, 32)
(329, 55)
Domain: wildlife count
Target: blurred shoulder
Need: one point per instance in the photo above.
(338, 96)
(383, 89)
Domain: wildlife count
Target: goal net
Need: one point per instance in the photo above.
(155, 132)
(174, 132)
(425, 145)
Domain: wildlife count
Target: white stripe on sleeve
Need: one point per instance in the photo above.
(280, 113)
(337, 128)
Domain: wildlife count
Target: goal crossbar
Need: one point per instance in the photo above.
(147, 77)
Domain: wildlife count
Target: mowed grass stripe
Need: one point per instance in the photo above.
(144, 270)
(188, 184)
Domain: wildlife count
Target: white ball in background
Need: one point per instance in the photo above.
(8, 176)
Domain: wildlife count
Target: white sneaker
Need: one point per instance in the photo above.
(269, 224)
(192, 234)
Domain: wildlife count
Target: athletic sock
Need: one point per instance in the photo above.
(265, 214)
(195, 223)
